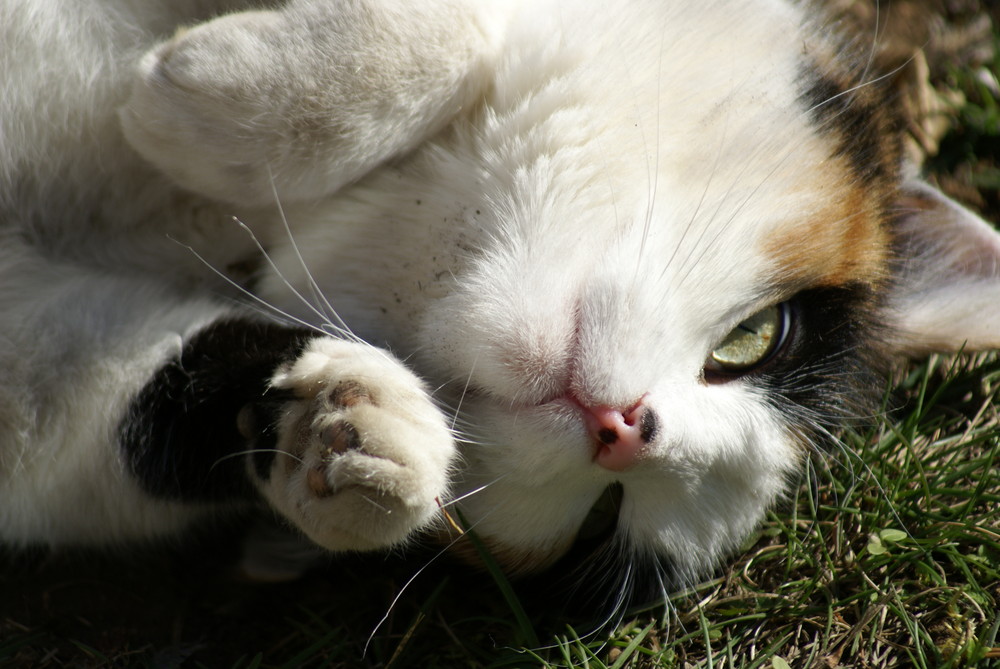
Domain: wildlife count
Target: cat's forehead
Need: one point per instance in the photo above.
(771, 156)
(802, 178)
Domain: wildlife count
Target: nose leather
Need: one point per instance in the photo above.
(621, 436)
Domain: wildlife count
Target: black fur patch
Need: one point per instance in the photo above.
(831, 370)
(600, 578)
(180, 437)
(850, 111)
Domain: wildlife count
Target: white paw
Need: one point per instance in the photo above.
(205, 107)
(302, 100)
(368, 452)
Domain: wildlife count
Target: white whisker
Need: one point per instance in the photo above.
(253, 451)
(472, 492)
(402, 590)
(395, 600)
(318, 295)
(258, 300)
(465, 391)
(375, 504)
(278, 273)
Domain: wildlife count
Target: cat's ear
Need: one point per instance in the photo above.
(947, 292)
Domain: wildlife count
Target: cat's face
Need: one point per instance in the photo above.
(692, 243)
(626, 236)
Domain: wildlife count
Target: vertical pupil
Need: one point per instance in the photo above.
(751, 341)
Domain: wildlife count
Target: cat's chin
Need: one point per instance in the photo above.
(526, 491)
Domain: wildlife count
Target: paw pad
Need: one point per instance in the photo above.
(349, 393)
(370, 453)
(316, 481)
(335, 439)
(339, 437)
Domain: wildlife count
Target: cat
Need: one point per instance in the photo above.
(551, 272)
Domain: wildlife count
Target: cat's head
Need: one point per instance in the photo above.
(669, 251)
(677, 269)
(683, 259)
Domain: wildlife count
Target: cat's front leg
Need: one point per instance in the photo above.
(306, 98)
(337, 436)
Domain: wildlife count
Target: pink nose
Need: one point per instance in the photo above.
(621, 435)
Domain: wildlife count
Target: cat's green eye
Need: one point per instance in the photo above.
(752, 342)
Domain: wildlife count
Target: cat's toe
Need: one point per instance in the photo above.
(369, 451)
(334, 440)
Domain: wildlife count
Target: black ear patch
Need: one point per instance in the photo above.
(181, 435)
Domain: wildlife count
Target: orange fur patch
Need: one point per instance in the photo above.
(845, 241)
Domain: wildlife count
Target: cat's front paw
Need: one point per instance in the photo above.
(363, 453)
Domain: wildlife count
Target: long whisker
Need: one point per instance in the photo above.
(473, 491)
(318, 294)
(270, 261)
(395, 600)
(465, 391)
(402, 590)
(253, 451)
(336, 330)
(859, 86)
(264, 303)
(375, 504)
(654, 186)
(701, 200)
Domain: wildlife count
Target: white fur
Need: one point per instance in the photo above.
(576, 200)
(70, 364)
(356, 83)
(393, 483)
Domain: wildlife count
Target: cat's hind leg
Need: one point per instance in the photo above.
(304, 99)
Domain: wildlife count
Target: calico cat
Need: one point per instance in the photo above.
(606, 272)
